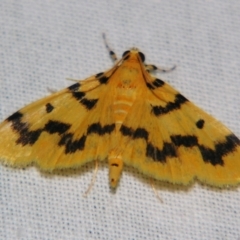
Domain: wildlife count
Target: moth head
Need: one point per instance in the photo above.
(133, 51)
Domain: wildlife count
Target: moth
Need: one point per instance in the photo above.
(127, 116)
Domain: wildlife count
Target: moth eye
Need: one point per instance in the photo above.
(125, 53)
(142, 56)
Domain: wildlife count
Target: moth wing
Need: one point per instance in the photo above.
(171, 139)
(61, 130)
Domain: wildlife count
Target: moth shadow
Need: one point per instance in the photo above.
(156, 184)
(71, 172)
(127, 170)
(159, 185)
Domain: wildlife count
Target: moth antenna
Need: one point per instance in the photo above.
(150, 67)
(72, 79)
(112, 54)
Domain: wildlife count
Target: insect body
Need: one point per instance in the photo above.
(126, 116)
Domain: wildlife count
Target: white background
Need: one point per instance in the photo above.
(44, 42)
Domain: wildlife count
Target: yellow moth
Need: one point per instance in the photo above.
(124, 116)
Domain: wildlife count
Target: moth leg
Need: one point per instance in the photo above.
(150, 68)
(92, 180)
(112, 54)
(155, 191)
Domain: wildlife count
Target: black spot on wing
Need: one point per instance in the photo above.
(89, 103)
(56, 127)
(200, 123)
(28, 137)
(233, 142)
(155, 84)
(141, 133)
(138, 133)
(99, 75)
(186, 141)
(161, 155)
(102, 78)
(25, 136)
(171, 106)
(126, 131)
(98, 129)
(49, 107)
(211, 156)
(221, 149)
(71, 145)
(78, 95)
(14, 117)
(74, 87)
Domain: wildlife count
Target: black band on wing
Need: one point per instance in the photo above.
(80, 97)
(72, 146)
(155, 84)
(171, 106)
(30, 137)
(169, 149)
(102, 78)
